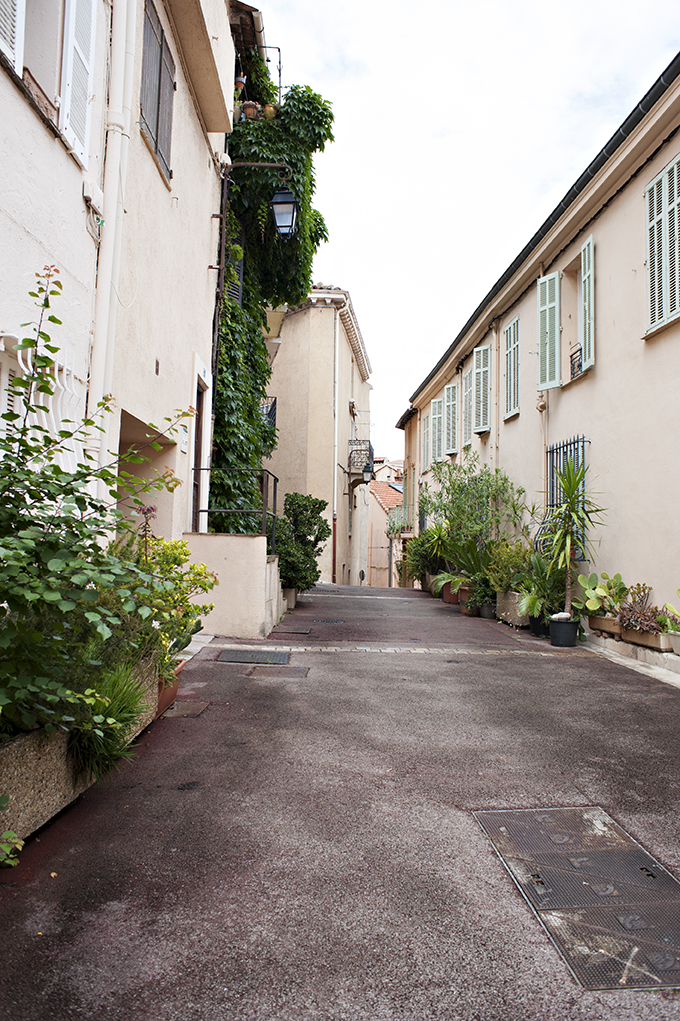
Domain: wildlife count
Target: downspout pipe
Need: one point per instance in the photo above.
(258, 25)
(336, 358)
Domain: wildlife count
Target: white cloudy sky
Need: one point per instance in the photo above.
(459, 126)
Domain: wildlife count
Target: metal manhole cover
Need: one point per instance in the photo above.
(611, 909)
(252, 656)
(328, 621)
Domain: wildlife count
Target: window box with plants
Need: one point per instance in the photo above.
(645, 624)
(673, 626)
(600, 600)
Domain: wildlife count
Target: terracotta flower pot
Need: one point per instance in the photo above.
(167, 693)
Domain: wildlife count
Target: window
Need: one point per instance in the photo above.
(426, 441)
(512, 368)
(12, 32)
(566, 319)
(76, 75)
(663, 201)
(549, 351)
(482, 370)
(451, 419)
(437, 428)
(587, 303)
(467, 407)
(158, 89)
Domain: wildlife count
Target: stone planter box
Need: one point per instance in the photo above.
(37, 776)
(674, 639)
(290, 597)
(607, 625)
(661, 643)
(507, 609)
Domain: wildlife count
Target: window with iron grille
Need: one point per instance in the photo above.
(556, 457)
(158, 88)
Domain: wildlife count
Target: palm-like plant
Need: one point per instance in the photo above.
(569, 523)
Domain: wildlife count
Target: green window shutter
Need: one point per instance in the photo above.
(655, 284)
(467, 407)
(512, 368)
(482, 385)
(426, 441)
(76, 78)
(549, 348)
(12, 14)
(451, 419)
(588, 304)
(672, 175)
(437, 429)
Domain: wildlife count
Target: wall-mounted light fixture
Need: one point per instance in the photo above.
(285, 207)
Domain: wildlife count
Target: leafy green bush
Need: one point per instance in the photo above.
(301, 534)
(9, 841)
(508, 562)
(420, 558)
(542, 587)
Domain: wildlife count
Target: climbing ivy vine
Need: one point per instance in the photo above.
(276, 271)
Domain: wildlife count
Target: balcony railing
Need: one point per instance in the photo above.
(400, 519)
(360, 455)
(254, 520)
(268, 409)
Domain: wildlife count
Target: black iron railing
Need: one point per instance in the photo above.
(360, 456)
(556, 458)
(268, 409)
(264, 514)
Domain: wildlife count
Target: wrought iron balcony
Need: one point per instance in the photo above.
(360, 456)
(400, 519)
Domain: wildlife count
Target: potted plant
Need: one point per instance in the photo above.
(507, 567)
(482, 597)
(568, 526)
(642, 623)
(602, 597)
(541, 592)
(673, 626)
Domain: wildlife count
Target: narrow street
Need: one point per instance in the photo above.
(295, 842)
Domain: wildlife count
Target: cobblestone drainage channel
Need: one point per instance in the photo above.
(253, 656)
(612, 910)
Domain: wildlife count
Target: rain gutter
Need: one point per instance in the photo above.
(649, 100)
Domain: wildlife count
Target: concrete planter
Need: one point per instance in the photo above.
(36, 773)
(290, 597)
(607, 625)
(674, 639)
(661, 643)
(507, 609)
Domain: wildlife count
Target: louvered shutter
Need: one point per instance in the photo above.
(426, 441)
(165, 104)
(437, 428)
(482, 370)
(512, 368)
(588, 304)
(467, 407)
(76, 81)
(549, 349)
(655, 252)
(451, 419)
(234, 288)
(672, 228)
(12, 13)
(151, 72)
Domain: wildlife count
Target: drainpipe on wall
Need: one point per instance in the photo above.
(258, 25)
(496, 390)
(118, 117)
(336, 356)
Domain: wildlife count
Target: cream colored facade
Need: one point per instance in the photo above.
(581, 338)
(320, 380)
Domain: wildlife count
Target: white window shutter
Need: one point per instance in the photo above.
(655, 252)
(437, 428)
(467, 407)
(426, 441)
(588, 303)
(12, 15)
(482, 398)
(549, 347)
(672, 228)
(76, 77)
(451, 419)
(512, 368)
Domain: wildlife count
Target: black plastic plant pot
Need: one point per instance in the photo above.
(538, 627)
(563, 633)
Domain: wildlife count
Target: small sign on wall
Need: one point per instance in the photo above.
(184, 438)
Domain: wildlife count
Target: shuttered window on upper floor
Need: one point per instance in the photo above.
(482, 385)
(468, 395)
(549, 348)
(588, 304)
(512, 368)
(437, 429)
(426, 442)
(662, 199)
(158, 88)
(451, 419)
(12, 14)
(76, 75)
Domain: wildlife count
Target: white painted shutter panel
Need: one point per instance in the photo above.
(482, 370)
(512, 369)
(467, 407)
(426, 441)
(451, 419)
(76, 79)
(672, 228)
(588, 303)
(437, 427)
(549, 356)
(655, 252)
(12, 14)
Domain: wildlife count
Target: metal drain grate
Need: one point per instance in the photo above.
(252, 656)
(611, 909)
(328, 621)
(292, 630)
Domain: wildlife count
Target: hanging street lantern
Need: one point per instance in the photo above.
(284, 206)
